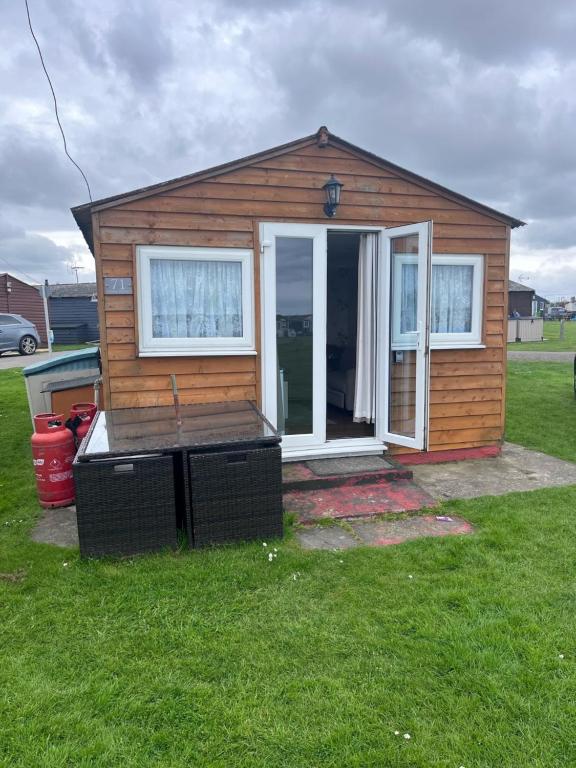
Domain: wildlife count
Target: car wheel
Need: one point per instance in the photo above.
(27, 345)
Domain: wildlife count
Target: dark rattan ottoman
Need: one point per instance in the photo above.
(125, 506)
(235, 495)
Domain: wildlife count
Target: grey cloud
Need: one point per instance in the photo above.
(554, 283)
(35, 172)
(479, 97)
(36, 258)
(550, 233)
(138, 44)
(493, 30)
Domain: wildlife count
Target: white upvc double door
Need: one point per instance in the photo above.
(293, 296)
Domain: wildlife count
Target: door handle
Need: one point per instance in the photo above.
(419, 335)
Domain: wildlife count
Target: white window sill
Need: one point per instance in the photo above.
(212, 352)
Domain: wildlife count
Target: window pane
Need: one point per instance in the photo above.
(196, 299)
(452, 298)
(294, 329)
(408, 298)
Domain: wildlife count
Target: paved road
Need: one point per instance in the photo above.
(550, 357)
(14, 360)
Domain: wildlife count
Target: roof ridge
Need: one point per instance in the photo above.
(82, 213)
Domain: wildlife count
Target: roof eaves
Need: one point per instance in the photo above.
(444, 191)
(83, 213)
(179, 181)
(516, 287)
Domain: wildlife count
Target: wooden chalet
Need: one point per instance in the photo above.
(361, 306)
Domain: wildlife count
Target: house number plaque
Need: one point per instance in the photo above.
(117, 286)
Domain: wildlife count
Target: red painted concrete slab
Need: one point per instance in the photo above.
(357, 501)
(442, 457)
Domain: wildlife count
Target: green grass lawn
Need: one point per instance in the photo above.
(541, 408)
(552, 342)
(220, 658)
(68, 347)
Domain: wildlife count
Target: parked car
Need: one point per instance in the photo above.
(18, 334)
(557, 313)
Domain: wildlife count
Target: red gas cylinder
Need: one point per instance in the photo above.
(86, 413)
(53, 452)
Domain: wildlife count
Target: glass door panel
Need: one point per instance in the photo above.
(293, 270)
(403, 319)
(404, 333)
(294, 334)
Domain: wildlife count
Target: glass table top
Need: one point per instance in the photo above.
(137, 431)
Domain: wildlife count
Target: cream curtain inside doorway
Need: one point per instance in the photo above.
(365, 387)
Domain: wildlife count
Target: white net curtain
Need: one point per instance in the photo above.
(196, 299)
(365, 389)
(451, 298)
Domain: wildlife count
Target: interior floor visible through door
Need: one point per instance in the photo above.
(339, 425)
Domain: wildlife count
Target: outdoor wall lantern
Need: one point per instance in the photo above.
(333, 187)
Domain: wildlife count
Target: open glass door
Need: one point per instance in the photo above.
(293, 269)
(404, 331)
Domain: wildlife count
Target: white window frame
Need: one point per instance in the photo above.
(189, 347)
(470, 339)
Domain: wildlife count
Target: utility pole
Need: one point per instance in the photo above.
(47, 318)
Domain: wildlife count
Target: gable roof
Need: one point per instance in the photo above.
(519, 288)
(7, 276)
(83, 213)
(71, 290)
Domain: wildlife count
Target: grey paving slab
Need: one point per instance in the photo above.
(380, 532)
(384, 533)
(326, 537)
(348, 465)
(14, 360)
(57, 527)
(516, 469)
(549, 357)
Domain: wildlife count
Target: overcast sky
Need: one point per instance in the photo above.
(479, 96)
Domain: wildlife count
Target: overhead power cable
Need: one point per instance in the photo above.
(20, 272)
(55, 102)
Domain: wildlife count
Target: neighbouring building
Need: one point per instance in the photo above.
(541, 304)
(20, 298)
(73, 309)
(520, 299)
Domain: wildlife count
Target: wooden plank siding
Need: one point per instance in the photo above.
(467, 385)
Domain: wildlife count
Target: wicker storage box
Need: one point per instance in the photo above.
(125, 506)
(235, 495)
